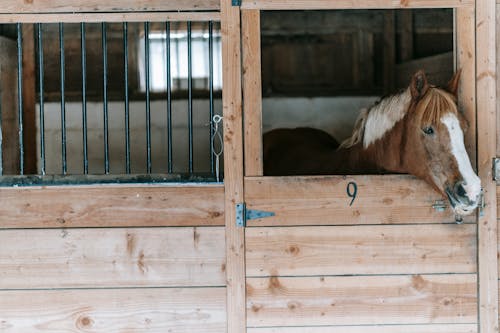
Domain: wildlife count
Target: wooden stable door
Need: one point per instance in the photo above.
(355, 253)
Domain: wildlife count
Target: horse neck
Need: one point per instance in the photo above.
(385, 154)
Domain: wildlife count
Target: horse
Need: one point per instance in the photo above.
(417, 131)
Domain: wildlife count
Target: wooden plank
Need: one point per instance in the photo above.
(110, 17)
(76, 6)
(9, 131)
(323, 200)
(351, 4)
(444, 328)
(116, 257)
(466, 61)
(29, 100)
(406, 40)
(347, 250)
(486, 149)
(118, 310)
(362, 300)
(389, 51)
(252, 91)
(498, 77)
(111, 206)
(233, 165)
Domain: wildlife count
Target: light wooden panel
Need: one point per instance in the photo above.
(252, 91)
(64, 6)
(233, 164)
(351, 4)
(448, 328)
(498, 77)
(90, 258)
(104, 311)
(111, 205)
(360, 300)
(390, 199)
(344, 250)
(486, 151)
(109, 17)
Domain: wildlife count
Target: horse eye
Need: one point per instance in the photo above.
(428, 130)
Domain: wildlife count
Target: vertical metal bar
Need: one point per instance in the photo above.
(127, 102)
(190, 96)
(20, 95)
(211, 89)
(148, 101)
(84, 100)
(169, 99)
(41, 93)
(105, 95)
(63, 99)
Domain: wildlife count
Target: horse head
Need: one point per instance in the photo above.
(434, 146)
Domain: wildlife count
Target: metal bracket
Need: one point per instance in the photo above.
(482, 204)
(439, 205)
(236, 2)
(496, 169)
(243, 214)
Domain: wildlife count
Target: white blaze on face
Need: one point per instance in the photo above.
(472, 182)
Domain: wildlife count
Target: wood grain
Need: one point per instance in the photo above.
(486, 150)
(111, 205)
(351, 4)
(233, 164)
(116, 257)
(362, 300)
(460, 328)
(345, 250)
(9, 151)
(117, 310)
(109, 17)
(64, 6)
(252, 91)
(389, 199)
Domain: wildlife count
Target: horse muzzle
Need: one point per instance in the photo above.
(459, 200)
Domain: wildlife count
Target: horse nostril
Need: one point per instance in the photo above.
(460, 190)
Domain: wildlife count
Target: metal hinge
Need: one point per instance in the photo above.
(243, 214)
(236, 2)
(496, 169)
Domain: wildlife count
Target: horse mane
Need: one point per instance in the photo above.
(373, 123)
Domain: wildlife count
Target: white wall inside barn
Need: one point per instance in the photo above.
(335, 115)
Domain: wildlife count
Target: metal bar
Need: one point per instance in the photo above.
(84, 100)
(20, 95)
(148, 98)
(211, 89)
(105, 95)
(41, 92)
(127, 102)
(63, 99)
(190, 97)
(169, 99)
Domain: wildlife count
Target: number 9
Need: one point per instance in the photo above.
(352, 191)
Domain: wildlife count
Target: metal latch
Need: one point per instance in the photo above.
(236, 2)
(482, 203)
(439, 205)
(496, 169)
(243, 214)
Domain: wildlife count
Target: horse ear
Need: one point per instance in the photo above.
(452, 85)
(418, 85)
